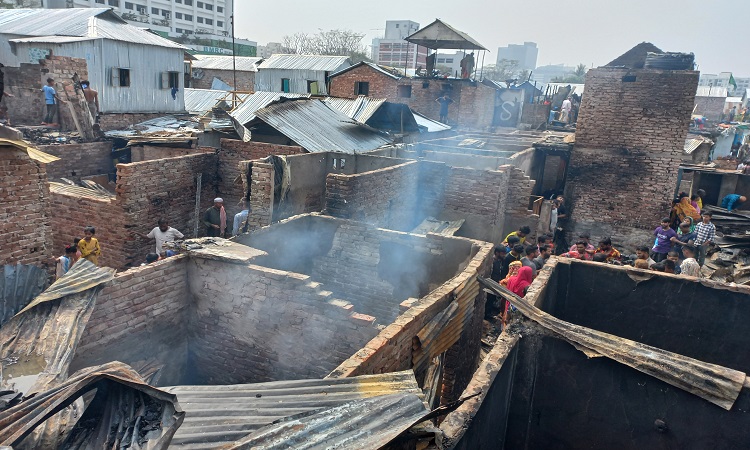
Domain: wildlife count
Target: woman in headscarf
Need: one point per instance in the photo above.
(512, 271)
(684, 209)
(518, 285)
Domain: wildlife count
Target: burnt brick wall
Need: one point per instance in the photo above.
(107, 216)
(163, 188)
(254, 324)
(473, 103)
(712, 108)
(629, 141)
(120, 121)
(25, 83)
(141, 317)
(517, 212)
(24, 210)
(79, 160)
(234, 151)
(245, 80)
(261, 194)
(535, 114)
(149, 152)
(384, 197)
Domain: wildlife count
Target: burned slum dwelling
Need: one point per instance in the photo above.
(285, 306)
(545, 388)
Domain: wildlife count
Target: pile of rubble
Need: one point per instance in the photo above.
(729, 260)
(50, 136)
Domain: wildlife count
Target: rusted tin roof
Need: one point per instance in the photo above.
(218, 415)
(18, 286)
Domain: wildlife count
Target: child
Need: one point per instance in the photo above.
(674, 257)
(89, 245)
(65, 262)
(663, 244)
(76, 240)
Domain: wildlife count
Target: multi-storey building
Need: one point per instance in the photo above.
(735, 85)
(525, 54)
(272, 48)
(207, 23)
(393, 50)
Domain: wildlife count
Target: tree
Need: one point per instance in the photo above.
(577, 76)
(329, 43)
(505, 71)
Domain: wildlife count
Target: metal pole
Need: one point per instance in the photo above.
(234, 61)
(198, 183)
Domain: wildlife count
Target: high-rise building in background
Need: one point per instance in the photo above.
(205, 22)
(735, 85)
(392, 50)
(525, 54)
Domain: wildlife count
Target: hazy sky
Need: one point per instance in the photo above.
(592, 32)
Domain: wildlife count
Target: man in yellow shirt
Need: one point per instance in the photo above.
(521, 233)
(89, 245)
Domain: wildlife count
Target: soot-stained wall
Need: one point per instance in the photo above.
(563, 399)
(670, 312)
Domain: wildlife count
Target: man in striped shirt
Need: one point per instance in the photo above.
(706, 233)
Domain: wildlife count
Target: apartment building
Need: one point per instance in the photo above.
(392, 50)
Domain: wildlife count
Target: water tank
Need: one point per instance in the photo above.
(670, 61)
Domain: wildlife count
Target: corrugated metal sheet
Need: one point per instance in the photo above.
(245, 112)
(364, 424)
(694, 143)
(19, 284)
(429, 125)
(374, 66)
(81, 22)
(200, 101)
(52, 39)
(318, 128)
(78, 191)
(359, 109)
(223, 62)
(35, 154)
(304, 62)
(711, 91)
(217, 415)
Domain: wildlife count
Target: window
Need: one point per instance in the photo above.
(178, 30)
(170, 80)
(312, 87)
(209, 21)
(155, 11)
(129, 6)
(189, 17)
(220, 24)
(200, 19)
(285, 85)
(166, 13)
(361, 88)
(449, 60)
(397, 25)
(441, 60)
(178, 15)
(200, 4)
(120, 77)
(100, 1)
(220, 9)
(178, 1)
(209, 7)
(189, 2)
(404, 91)
(114, 3)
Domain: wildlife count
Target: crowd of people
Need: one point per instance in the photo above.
(214, 219)
(679, 247)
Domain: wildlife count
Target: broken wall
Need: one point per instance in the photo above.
(140, 319)
(254, 324)
(121, 121)
(25, 82)
(79, 160)
(204, 78)
(712, 108)
(148, 152)
(629, 139)
(24, 210)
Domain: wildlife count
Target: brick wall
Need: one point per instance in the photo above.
(473, 103)
(141, 316)
(234, 151)
(149, 152)
(535, 114)
(254, 324)
(79, 160)
(517, 212)
(106, 215)
(629, 141)
(261, 195)
(120, 121)
(25, 83)
(24, 210)
(245, 80)
(384, 197)
(712, 108)
(163, 188)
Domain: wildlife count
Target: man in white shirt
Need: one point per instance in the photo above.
(162, 234)
(567, 105)
(240, 218)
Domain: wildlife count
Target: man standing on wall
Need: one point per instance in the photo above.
(51, 100)
(215, 219)
(444, 101)
(163, 234)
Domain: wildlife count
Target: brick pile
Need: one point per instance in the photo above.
(629, 141)
(24, 210)
(25, 83)
(254, 324)
(121, 121)
(79, 160)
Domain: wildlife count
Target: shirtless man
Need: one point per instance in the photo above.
(92, 98)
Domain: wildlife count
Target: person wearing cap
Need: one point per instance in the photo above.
(215, 219)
